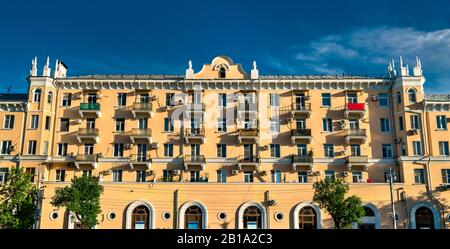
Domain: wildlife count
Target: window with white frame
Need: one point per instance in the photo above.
(168, 150)
(170, 99)
(87, 172)
(66, 99)
(221, 176)
(445, 175)
(37, 95)
(6, 147)
(34, 122)
(419, 176)
(274, 125)
(328, 150)
(60, 175)
(330, 175)
(222, 150)
(168, 126)
(412, 96)
(140, 175)
(301, 149)
(386, 150)
(118, 150)
(120, 125)
(443, 148)
(415, 122)
(355, 150)
(327, 125)
(274, 150)
(357, 176)
(303, 176)
(221, 125)
(385, 125)
(8, 122)
(441, 122)
(276, 176)
(117, 175)
(417, 148)
(326, 99)
(62, 149)
(274, 99)
(248, 176)
(50, 97)
(121, 99)
(3, 174)
(383, 100)
(88, 149)
(32, 147)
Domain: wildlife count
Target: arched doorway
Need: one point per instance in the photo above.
(368, 220)
(307, 218)
(139, 215)
(193, 218)
(252, 218)
(424, 218)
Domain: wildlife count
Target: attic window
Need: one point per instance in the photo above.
(222, 73)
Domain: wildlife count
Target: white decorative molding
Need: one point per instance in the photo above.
(188, 204)
(307, 204)
(151, 215)
(249, 204)
(432, 207)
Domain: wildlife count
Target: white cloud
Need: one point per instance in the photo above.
(372, 48)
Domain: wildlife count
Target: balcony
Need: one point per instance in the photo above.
(189, 161)
(139, 135)
(194, 135)
(142, 110)
(355, 110)
(302, 161)
(300, 109)
(88, 135)
(251, 161)
(356, 135)
(90, 159)
(357, 161)
(248, 135)
(139, 159)
(300, 134)
(90, 110)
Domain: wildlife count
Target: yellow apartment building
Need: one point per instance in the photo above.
(223, 148)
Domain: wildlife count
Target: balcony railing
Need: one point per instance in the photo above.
(89, 107)
(301, 132)
(140, 158)
(357, 159)
(356, 132)
(87, 157)
(355, 107)
(88, 132)
(138, 132)
(302, 159)
(138, 106)
(200, 159)
(195, 132)
(248, 159)
(301, 107)
(252, 132)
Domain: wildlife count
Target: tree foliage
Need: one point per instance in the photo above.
(82, 199)
(17, 200)
(330, 195)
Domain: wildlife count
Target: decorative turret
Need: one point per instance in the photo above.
(46, 71)
(254, 73)
(33, 70)
(189, 71)
(417, 70)
(391, 69)
(404, 70)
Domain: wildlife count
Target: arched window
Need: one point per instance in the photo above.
(193, 218)
(37, 95)
(424, 218)
(368, 212)
(369, 220)
(307, 218)
(252, 218)
(140, 218)
(412, 96)
(50, 97)
(222, 73)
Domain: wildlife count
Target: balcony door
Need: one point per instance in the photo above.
(143, 123)
(301, 149)
(195, 150)
(352, 98)
(195, 125)
(355, 150)
(92, 98)
(144, 98)
(90, 123)
(88, 149)
(354, 124)
(300, 124)
(299, 101)
(248, 152)
(141, 152)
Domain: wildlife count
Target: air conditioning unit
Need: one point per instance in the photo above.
(414, 131)
(342, 126)
(374, 98)
(12, 148)
(290, 120)
(263, 173)
(234, 172)
(99, 155)
(345, 173)
(177, 172)
(154, 145)
(129, 146)
(265, 147)
(150, 172)
(107, 172)
(271, 202)
(310, 172)
(307, 97)
(154, 98)
(342, 122)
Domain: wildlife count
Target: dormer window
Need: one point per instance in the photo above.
(222, 73)
(412, 96)
(37, 95)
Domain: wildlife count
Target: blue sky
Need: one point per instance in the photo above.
(284, 37)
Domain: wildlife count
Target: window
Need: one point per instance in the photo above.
(222, 73)
(329, 175)
(168, 126)
(352, 98)
(37, 95)
(144, 98)
(274, 100)
(221, 125)
(167, 175)
(118, 150)
(387, 176)
(32, 147)
(415, 124)
(142, 123)
(327, 124)
(9, 122)
(140, 176)
(274, 125)
(419, 176)
(47, 122)
(195, 176)
(221, 176)
(45, 148)
(88, 149)
(276, 176)
(441, 121)
(248, 176)
(117, 175)
(168, 150)
(62, 149)
(399, 97)
(326, 99)
(328, 150)
(385, 125)
(353, 124)
(6, 147)
(32, 172)
(300, 123)
(386, 150)
(66, 99)
(34, 122)
(121, 99)
(3, 174)
(301, 149)
(60, 175)
(120, 124)
(446, 176)
(307, 218)
(412, 96)
(90, 123)
(64, 124)
(355, 150)
(169, 99)
(50, 97)
(400, 123)
(357, 176)
(403, 149)
(303, 176)
(383, 100)
(222, 150)
(92, 98)
(274, 150)
(87, 172)
(222, 99)
(417, 148)
(443, 148)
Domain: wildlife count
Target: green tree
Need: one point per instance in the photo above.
(17, 200)
(82, 198)
(330, 195)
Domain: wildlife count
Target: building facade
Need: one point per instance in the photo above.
(223, 148)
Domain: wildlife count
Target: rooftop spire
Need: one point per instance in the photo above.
(46, 71)
(254, 74)
(33, 70)
(189, 71)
